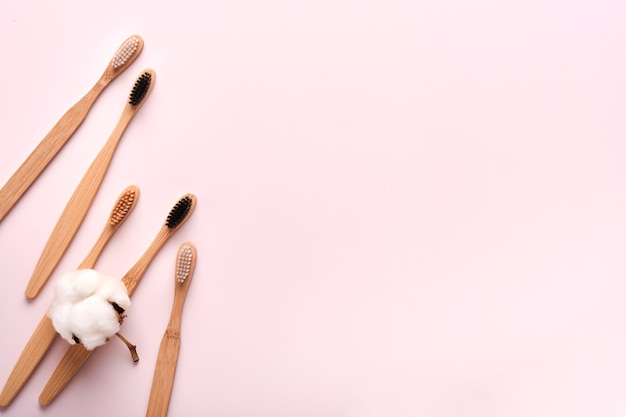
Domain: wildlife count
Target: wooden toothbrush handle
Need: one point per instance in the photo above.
(71, 362)
(47, 149)
(74, 213)
(164, 372)
(35, 349)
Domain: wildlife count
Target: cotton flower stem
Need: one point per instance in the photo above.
(132, 348)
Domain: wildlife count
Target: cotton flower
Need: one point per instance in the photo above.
(88, 307)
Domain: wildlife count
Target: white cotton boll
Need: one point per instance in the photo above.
(60, 315)
(86, 282)
(82, 308)
(112, 289)
(65, 286)
(93, 321)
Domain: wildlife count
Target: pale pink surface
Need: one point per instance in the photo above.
(405, 208)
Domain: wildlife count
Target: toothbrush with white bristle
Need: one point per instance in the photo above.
(58, 136)
(167, 359)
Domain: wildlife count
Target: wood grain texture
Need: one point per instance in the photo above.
(164, 373)
(79, 203)
(36, 347)
(167, 359)
(76, 355)
(44, 334)
(58, 136)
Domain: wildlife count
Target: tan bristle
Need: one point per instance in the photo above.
(183, 264)
(123, 206)
(128, 48)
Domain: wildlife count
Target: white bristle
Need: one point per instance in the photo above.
(128, 48)
(183, 266)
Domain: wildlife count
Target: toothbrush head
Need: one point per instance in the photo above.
(179, 212)
(125, 204)
(127, 51)
(185, 262)
(141, 88)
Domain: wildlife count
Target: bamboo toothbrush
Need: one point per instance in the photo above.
(76, 355)
(44, 334)
(52, 143)
(78, 205)
(165, 369)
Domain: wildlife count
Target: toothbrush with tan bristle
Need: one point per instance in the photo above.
(54, 141)
(76, 355)
(167, 359)
(80, 201)
(44, 334)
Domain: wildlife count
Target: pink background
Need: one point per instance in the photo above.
(405, 208)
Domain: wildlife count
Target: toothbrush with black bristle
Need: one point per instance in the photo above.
(167, 359)
(82, 198)
(58, 136)
(76, 355)
(44, 334)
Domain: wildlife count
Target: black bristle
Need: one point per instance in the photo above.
(76, 339)
(140, 89)
(178, 212)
